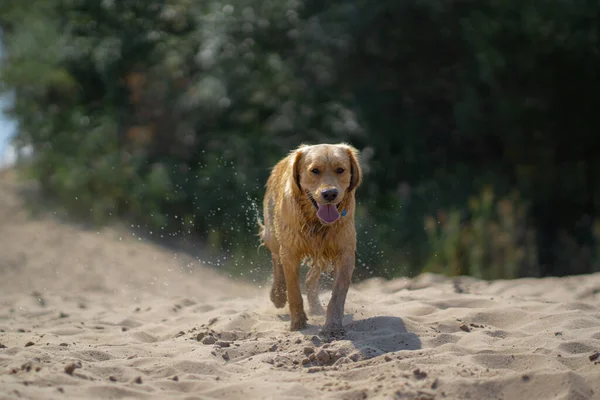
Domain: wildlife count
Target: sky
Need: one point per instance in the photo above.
(7, 127)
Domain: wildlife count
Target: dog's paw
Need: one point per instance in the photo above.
(298, 322)
(278, 297)
(316, 309)
(333, 331)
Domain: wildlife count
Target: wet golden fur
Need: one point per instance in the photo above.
(292, 231)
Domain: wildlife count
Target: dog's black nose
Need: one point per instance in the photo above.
(329, 194)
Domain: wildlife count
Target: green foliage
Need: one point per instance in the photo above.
(494, 243)
(171, 113)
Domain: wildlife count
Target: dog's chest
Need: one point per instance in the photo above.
(319, 240)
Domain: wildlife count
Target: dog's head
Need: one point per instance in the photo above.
(326, 173)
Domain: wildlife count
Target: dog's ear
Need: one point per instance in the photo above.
(355, 168)
(296, 157)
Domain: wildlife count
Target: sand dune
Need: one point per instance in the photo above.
(88, 314)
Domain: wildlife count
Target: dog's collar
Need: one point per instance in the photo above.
(314, 202)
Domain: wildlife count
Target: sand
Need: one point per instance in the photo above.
(99, 314)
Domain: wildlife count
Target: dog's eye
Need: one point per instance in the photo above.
(340, 170)
(315, 171)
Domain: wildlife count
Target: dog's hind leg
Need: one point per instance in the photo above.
(312, 290)
(278, 289)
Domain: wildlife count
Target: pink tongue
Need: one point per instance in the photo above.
(328, 213)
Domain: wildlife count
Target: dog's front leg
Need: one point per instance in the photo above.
(344, 267)
(278, 290)
(291, 269)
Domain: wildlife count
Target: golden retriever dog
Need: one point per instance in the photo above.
(309, 213)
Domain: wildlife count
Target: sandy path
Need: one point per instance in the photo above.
(88, 314)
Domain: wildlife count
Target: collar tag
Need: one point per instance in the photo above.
(344, 212)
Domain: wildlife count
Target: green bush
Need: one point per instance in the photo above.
(495, 242)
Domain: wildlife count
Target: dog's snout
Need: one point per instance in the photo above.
(329, 194)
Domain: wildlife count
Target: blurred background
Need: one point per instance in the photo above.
(476, 122)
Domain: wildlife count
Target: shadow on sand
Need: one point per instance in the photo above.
(372, 337)
(382, 335)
